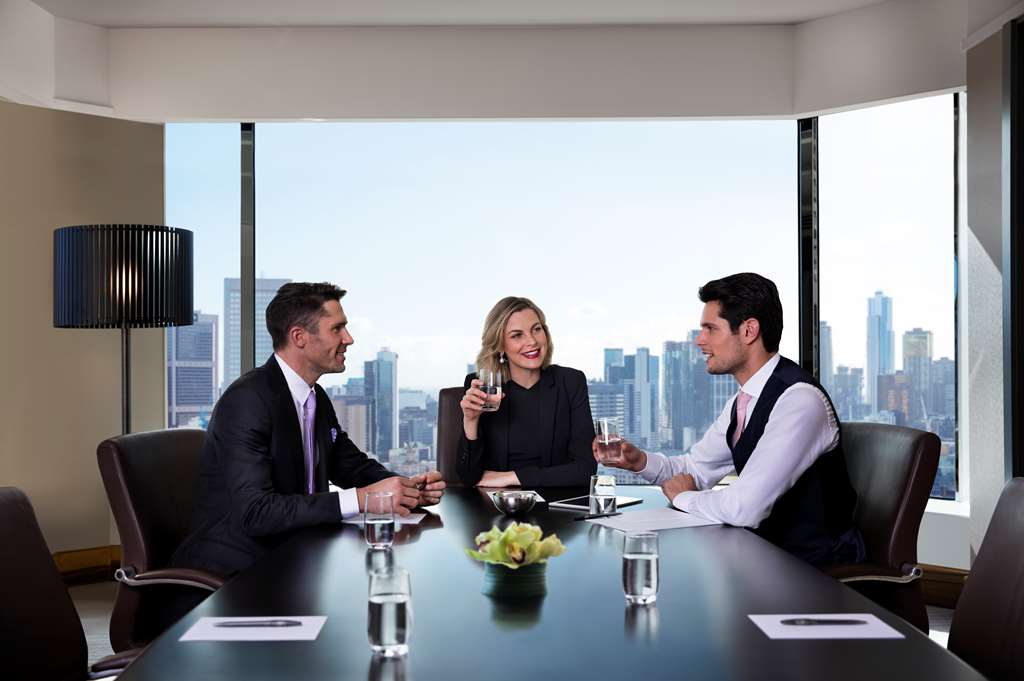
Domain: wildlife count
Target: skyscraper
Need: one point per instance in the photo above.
(641, 400)
(607, 401)
(266, 289)
(943, 387)
(847, 393)
(676, 357)
(825, 356)
(894, 395)
(917, 364)
(614, 365)
(881, 343)
(191, 371)
(381, 386)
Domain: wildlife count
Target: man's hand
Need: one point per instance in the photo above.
(405, 491)
(498, 479)
(681, 483)
(431, 487)
(633, 459)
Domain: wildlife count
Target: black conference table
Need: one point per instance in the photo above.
(711, 579)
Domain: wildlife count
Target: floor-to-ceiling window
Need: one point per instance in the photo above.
(888, 279)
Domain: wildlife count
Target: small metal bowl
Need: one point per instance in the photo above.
(514, 502)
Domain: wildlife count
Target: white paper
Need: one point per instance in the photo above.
(206, 629)
(652, 519)
(411, 519)
(773, 627)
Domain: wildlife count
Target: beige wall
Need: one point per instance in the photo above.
(61, 387)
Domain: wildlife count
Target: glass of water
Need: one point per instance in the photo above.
(389, 619)
(640, 568)
(609, 444)
(379, 519)
(602, 494)
(490, 385)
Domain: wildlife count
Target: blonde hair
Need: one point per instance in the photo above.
(493, 336)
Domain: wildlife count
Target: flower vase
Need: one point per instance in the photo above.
(526, 582)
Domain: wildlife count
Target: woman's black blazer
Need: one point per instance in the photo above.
(565, 423)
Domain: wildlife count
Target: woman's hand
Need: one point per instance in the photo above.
(498, 479)
(473, 405)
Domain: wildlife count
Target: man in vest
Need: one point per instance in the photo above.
(780, 433)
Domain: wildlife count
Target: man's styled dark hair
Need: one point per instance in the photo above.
(745, 296)
(298, 304)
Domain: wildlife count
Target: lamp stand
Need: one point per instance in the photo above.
(126, 379)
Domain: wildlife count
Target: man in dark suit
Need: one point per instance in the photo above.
(274, 442)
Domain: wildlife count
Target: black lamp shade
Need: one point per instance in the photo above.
(114, 276)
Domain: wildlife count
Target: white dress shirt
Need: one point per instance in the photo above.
(801, 428)
(300, 390)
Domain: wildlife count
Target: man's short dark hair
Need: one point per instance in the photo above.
(748, 296)
(298, 304)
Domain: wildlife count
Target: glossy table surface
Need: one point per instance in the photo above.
(711, 579)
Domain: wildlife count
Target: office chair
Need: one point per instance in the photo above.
(41, 635)
(892, 469)
(989, 618)
(449, 428)
(150, 480)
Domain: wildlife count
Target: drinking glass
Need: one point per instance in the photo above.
(609, 444)
(602, 494)
(490, 384)
(389, 617)
(379, 519)
(640, 568)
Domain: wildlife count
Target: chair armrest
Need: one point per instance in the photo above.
(874, 572)
(114, 664)
(199, 579)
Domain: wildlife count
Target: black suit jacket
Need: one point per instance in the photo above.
(566, 427)
(252, 478)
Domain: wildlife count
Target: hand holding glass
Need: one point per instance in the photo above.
(379, 519)
(389, 617)
(640, 568)
(490, 385)
(609, 444)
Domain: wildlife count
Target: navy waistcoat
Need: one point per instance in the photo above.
(813, 519)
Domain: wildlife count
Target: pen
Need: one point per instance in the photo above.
(811, 621)
(259, 623)
(591, 516)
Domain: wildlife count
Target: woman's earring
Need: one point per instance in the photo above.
(501, 358)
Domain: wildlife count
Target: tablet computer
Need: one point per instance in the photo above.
(583, 503)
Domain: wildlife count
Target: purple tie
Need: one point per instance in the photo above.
(308, 417)
(742, 400)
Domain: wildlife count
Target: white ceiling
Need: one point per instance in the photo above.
(195, 13)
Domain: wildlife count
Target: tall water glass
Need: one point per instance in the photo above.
(490, 385)
(609, 444)
(640, 568)
(379, 519)
(602, 494)
(389, 617)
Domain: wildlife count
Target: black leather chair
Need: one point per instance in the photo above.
(150, 480)
(892, 469)
(449, 428)
(41, 634)
(988, 623)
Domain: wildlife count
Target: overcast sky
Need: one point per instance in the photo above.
(610, 227)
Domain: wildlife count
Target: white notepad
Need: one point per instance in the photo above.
(206, 629)
(773, 627)
(653, 519)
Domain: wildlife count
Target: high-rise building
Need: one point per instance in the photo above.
(917, 364)
(723, 386)
(943, 387)
(607, 402)
(354, 417)
(894, 396)
(614, 366)
(641, 398)
(825, 356)
(847, 393)
(880, 345)
(676, 358)
(192, 371)
(266, 289)
(381, 386)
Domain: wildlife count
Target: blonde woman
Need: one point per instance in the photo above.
(541, 433)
